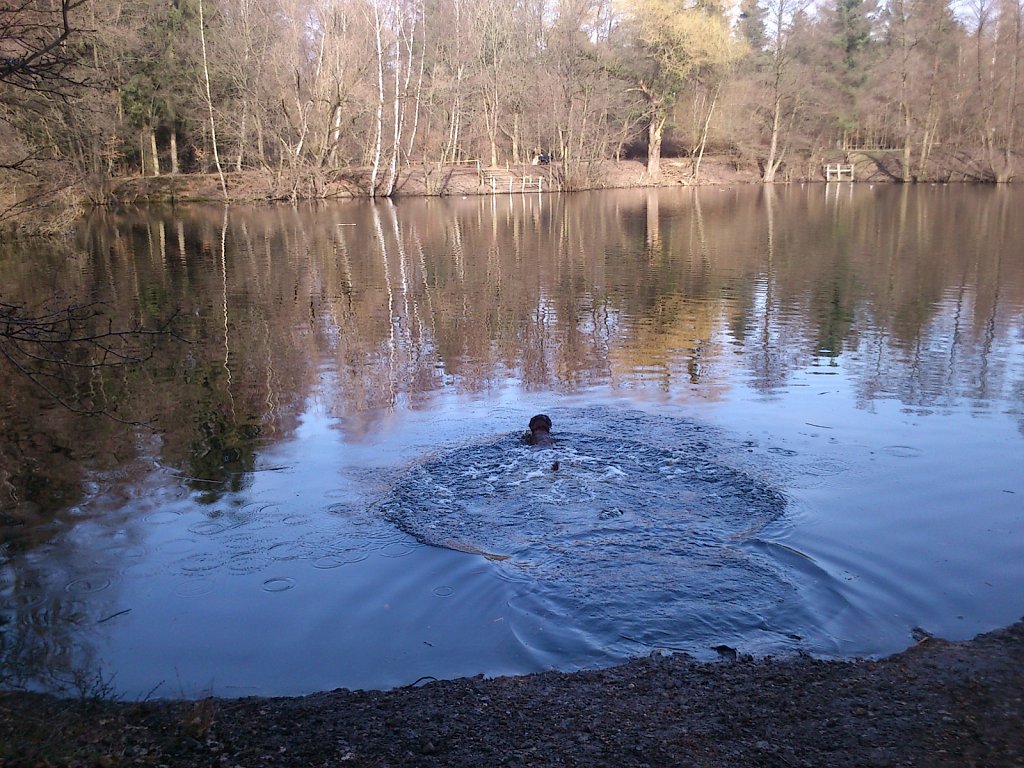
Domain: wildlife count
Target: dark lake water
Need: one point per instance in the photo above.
(785, 420)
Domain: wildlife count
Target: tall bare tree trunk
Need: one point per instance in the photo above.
(773, 162)
(396, 134)
(174, 152)
(241, 134)
(400, 97)
(154, 157)
(419, 92)
(905, 176)
(209, 102)
(705, 128)
(379, 136)
(1007, 171)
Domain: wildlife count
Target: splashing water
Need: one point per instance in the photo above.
(644, 527)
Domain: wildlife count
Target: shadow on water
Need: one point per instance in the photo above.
(650, 530)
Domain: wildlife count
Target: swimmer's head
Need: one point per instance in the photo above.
(540, 422)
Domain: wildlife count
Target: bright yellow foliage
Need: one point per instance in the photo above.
(678, 38)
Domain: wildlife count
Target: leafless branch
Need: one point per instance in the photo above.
(48, 345)
(33, 42)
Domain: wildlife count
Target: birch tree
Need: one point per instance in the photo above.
(783, 94)
(209, 101)
(998, 38)
(919, 43)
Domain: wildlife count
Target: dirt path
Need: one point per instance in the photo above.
(937, 704)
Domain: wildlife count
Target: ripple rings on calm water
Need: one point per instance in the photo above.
(195, 587)
(902, 451)
(203, 562)
(180, 546)
(245, 564)
(208, 528)
(87, 586)
(398, 549)
(162, 517)
(338, 560)
(278, 584)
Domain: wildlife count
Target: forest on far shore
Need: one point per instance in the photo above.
(93, 91)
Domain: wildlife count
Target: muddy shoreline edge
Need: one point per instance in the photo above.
(938, 703)
(262, 186)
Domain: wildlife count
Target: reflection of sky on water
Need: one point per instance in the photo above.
(240, 550)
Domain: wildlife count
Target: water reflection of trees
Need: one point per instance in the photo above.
(672, 292)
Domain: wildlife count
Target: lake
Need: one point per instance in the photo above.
(786, 420)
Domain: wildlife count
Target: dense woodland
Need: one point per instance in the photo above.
(92, 91)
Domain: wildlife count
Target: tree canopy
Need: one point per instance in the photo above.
(304, 89)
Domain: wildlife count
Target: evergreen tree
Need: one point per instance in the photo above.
(751, 25)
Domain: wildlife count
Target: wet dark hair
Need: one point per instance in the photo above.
(540, 421)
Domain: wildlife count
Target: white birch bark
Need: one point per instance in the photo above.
(209, 102)
(379, 136)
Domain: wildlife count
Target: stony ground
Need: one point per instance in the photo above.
(937, 704)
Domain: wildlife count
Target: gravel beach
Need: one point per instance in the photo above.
(938, 703)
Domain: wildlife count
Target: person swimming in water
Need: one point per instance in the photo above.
(540, 434)
(540, 431)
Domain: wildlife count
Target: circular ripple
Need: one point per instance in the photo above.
(345, 509)
(208, 528)
(397, 549)
(249, 563)
(132, 552)
(203, 562)
(22, 600)
(278, 584)
(178, 546)
(825, 467)
(289, 550)
(87, 586)
(340, 559)
(902, 451)
(258, 509)
(195, 587)
(162, 517)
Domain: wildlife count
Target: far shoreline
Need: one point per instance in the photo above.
(53, 209)
(424, 180)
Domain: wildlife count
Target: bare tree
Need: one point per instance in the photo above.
(919, 45)
(34, 52)
(38, 78)
(783, 92)
(669, 42)
(209, 102)
(997, 63)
